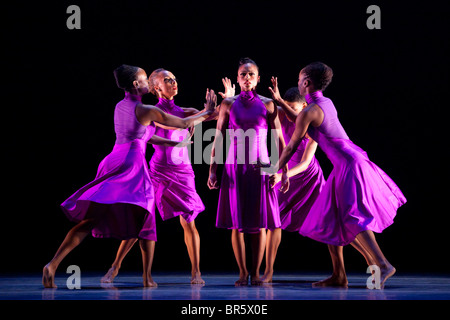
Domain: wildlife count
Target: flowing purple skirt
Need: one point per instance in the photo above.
(121, 196)
(246, 201)
(358, 196)
(175, 191)
(304, 188)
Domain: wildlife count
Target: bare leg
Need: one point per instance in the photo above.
(238, 243)
(272, 244)
(358, 246)
(72, 239)
(123, 250)
(192, 240)
(338, 278)
(258, 243)
(369, 243)
(148, 251)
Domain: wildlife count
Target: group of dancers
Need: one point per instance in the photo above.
(356, 200)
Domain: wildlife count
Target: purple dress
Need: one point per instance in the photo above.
(171, 173)
(246, 201)
(304, 188)
(122, 182)
(358, 196)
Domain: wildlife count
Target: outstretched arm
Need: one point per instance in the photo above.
(304, 119)
(217, 147)
(308, 154)
(148, 113)
(157, 140)
(274, 123)
(290, 113)
(190, 111)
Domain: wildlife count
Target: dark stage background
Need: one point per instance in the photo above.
(389, 88)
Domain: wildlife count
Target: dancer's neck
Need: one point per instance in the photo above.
(312, 96)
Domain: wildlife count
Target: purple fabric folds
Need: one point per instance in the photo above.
(122, 192)
(171, 172)
(357, 196)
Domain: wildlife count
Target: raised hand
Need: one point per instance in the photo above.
(275, 91)
(229, 88)
(211, 100)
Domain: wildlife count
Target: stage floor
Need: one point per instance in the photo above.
(220, 286)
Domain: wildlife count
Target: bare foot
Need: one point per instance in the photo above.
(48, 277)
(148, 282)
(110, 275)
(256, 281)
(333, 281)
(243, 280)
(386, 273)
(267, 277)
(197, 278)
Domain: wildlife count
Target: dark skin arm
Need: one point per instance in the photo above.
(148, 113)
(274, 123)
(290, 113)
(311, 115)
(157, 140)
(221, 126)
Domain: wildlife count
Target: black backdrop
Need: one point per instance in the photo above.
(60, 94)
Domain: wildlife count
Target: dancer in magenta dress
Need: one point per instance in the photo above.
(171, 169)
(119, 202)
(358, 197)
(247, 204)
(172, 177)
(306, 178)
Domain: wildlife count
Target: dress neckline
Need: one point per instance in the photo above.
(313, 96)
(248, 95)
(167, 103)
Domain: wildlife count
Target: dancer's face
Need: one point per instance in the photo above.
(167, 85)
(248, 77)
(296, 106)
(141, 82)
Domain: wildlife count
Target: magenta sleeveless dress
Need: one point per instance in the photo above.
(171, 173)
(304, 188)
(122, 182)
(358, 196)
(246, 200)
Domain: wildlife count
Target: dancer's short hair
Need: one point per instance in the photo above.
(246, 60)
(152, 80)
(293, 95)
(319, 74)
(125, 75)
